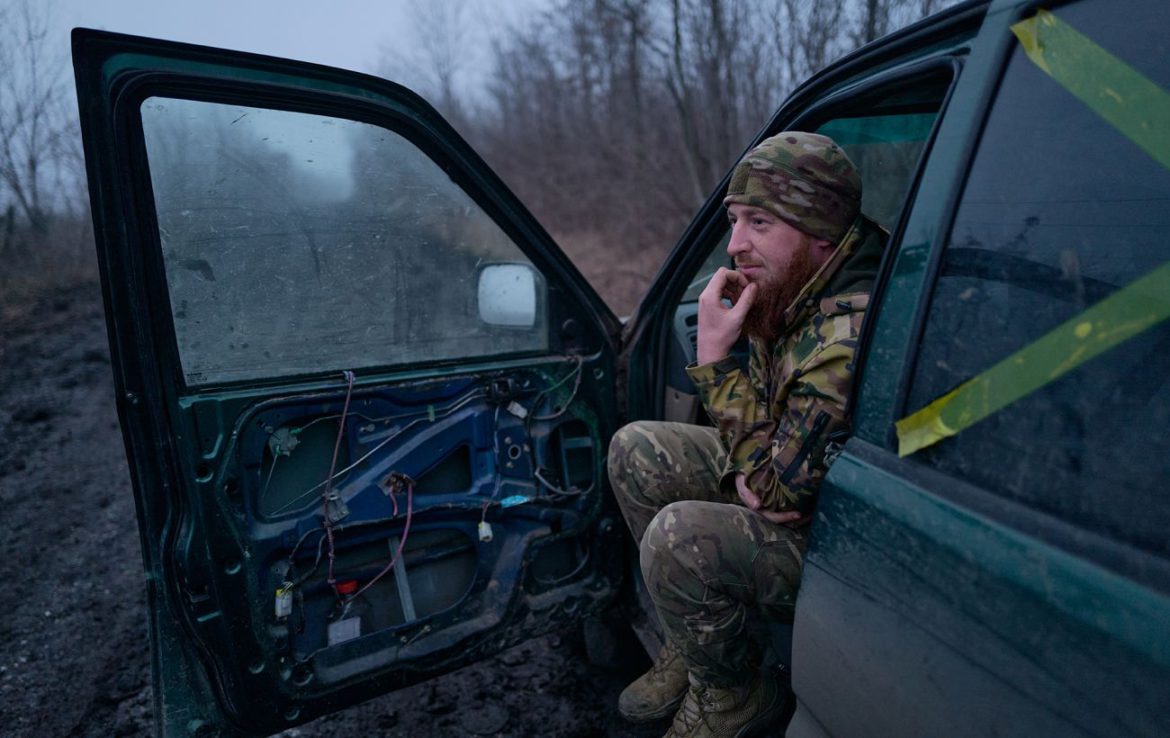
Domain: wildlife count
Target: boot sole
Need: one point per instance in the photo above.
(665, 711)
(758, 728)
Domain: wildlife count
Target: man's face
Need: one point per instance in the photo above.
(775, 256)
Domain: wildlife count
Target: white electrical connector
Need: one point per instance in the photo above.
(485, 531)
(283, 602)
(517, 409)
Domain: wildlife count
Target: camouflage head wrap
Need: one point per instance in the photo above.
(805, 179)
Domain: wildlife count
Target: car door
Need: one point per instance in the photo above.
(990, 553)
(364, 398)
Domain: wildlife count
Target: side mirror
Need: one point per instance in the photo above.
(507, 295)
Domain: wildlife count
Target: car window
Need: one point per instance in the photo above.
(717, 258)
(297, 243)
(1063, 210)
(885, 148)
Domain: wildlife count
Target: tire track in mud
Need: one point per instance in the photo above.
(73, 643)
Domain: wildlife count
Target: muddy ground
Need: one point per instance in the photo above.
(74, 658)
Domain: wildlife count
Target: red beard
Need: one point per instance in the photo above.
(764, 320)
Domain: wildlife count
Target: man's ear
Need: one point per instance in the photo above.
(822, 247)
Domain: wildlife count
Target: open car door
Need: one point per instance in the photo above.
(363, 396)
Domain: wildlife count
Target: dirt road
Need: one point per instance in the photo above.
(74, 659)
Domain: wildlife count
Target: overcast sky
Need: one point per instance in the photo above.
(340, 33)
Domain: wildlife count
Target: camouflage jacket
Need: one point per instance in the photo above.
(777, 420)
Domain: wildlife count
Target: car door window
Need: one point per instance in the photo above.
(296, 243)
(1062, 210)
(885, 147)
(716, 259)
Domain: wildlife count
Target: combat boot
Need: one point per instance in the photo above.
(657, 693)
(737, 712)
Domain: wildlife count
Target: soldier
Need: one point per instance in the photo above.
(721, 513)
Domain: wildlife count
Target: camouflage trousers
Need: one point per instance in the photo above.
(713, 567)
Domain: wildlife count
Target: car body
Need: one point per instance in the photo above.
(366, 400)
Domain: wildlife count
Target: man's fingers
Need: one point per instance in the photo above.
(718, 329)
(732, 290)
(781, 517)
(751, 499)
(728, 284)
(753, 502)
(744, 303)
(735, 277)
(715, 289)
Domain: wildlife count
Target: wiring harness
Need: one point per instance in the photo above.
(395, 484)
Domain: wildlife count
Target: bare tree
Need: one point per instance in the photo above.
(719, 69)
(612, 119)
(45, 232)
(38, 133)
(683, 94)
(876, 18)
(815, 31)
(435, 65)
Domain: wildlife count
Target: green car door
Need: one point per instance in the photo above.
(364, 398)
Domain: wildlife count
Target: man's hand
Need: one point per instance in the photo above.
(719, 325)
(752, 500)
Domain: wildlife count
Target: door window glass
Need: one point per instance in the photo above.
(885, 149)
(717, 258)
(1061, 210)
(297, 243)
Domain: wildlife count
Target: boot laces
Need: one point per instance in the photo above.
(666, 658)
(690, 715)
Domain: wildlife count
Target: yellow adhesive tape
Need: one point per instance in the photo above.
(1131, 103)
(1119, 317)
(1140, 110)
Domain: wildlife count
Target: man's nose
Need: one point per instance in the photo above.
(738, 243)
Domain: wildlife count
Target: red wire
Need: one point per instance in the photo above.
(349, 377)
(399, 479)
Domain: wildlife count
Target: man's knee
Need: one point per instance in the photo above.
(621, 448)
(636, 459)
(664, 450)
(713, 542)
(675, 541)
